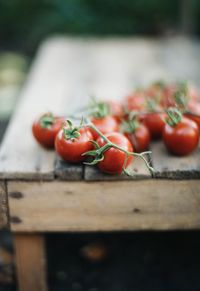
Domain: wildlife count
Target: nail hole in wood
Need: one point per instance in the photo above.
(136, 210)
(15, 219)
(16, 195)
(68, 192)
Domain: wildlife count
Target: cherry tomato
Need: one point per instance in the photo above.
(194, 107)
(71, 148)
(113, 158)
(136, 101)
(194, 117)
(139, 138)
(105, 125)
(116, 109)
(167, 99)
(183, 138)
(194, 94)
(155, 123)
(45, 129)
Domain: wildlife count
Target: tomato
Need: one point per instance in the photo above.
(116, 109)
(105, 125)
(71, 148)
(114, 159)
(139, 138)
(155, 122)
(194, 94)
(194, 117)
(194, 108)
(136, 101)
(45, 129)
(183, 138)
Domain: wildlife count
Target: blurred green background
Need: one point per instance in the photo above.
(24, 23)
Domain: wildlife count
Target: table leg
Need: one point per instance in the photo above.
(30, 262)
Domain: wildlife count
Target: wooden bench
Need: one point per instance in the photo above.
(39, 193)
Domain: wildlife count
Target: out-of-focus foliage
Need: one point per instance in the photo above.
(13, 69)
(26, 22)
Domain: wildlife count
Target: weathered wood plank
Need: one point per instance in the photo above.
(68, 172)
(168, 166)
(30, 262)
(181, 58)
(104, 206)
(49, 88)
(3, 206)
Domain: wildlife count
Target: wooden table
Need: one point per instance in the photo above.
(40, 193)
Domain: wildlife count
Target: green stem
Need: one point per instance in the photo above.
(110, 144)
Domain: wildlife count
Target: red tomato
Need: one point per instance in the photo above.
(70, 149)
(105, 125)
(136, 101)
(113, 158)
(155, 122)
(194, 117)
(116, 109)
(167, 99)
(194, 94)
(182, 138)
(140, 138)
(194, 107)
(46, 128)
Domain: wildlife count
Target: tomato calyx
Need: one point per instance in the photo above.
(181, 95)
(47, 120)
(70, 132)
(160, 84)
(99, 109)
(130, 125)
(152, 105)
(174, 116)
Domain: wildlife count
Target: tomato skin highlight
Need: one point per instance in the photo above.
(194, 117)
(113, 158)
(155, 122)
(46, 136)
(72, 150)
(183, 138)
(140, 138)
(194, 108)
(105, 125)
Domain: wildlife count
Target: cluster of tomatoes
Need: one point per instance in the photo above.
(113, 132)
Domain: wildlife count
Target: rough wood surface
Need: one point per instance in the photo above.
(30, 262)
(169, 166)
(48, 87)
(66, 72)
(68, 172)
(3, 206)
(104, 206)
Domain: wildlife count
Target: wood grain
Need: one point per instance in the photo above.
(172, 167)
(105, 206)
(30, 262)
(48, 87)
(68, 172)
(3, 206)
